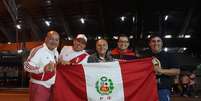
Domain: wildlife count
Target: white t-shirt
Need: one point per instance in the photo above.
(68, 54)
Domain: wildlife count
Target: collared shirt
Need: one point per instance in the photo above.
(95, 58)
(36, 62)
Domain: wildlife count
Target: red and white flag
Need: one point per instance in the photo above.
(111, 81)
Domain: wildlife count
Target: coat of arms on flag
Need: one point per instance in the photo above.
(104, 86)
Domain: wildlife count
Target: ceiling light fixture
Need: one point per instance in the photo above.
(18, 26)
(187, 36)
(168, 36)
(82, 20)
(166, 17)
(165, 49)
(48, 23)
(122, 18)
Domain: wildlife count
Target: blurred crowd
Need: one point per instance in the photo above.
(186, 84)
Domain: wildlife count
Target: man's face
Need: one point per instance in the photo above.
(123, 43)
(52, 40)
(156, 44)
(101, 47)
(79, 44)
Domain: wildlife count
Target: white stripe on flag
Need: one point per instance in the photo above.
(104, 81)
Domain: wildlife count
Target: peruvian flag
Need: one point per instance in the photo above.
(110, 81)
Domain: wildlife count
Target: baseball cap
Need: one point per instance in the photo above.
(81, 36)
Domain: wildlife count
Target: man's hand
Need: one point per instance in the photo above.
(157, 66)
(63, 62)
(51, 66)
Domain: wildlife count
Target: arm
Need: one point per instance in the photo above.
(31, 64)
(169, 72)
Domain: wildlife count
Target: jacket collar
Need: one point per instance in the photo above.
(45, 46)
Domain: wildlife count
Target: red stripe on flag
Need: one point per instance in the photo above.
(70, 84)
(139, 80)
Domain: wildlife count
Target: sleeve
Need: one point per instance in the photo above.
(64, 51)
(32, 63)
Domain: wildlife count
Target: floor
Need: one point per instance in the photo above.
(14, 95)
(22, 95)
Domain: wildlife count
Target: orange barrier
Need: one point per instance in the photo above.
(16, 46)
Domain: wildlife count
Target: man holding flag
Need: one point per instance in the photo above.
(166, 70)
(41, 64)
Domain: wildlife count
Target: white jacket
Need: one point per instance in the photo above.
(38, 58)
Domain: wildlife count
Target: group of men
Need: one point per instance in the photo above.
(42, 61)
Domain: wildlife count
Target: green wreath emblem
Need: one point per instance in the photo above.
(104, 86)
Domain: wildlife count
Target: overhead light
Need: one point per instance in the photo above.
(131, 36)
(48, 1)
(98, 37)
(166, 17)
(187, 36)
(181, 36)
(122, 18)
(9, 43)
(19, 51)
(115, 37)
(182, 50)
(82, 20)
(168, 36)
(133, 19)
(69, 38)
(148, 36)
(165, 49)
(18, 26)
(48, 23)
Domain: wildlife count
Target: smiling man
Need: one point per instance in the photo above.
(121, 52)
(102, 54)
(41, 64)
(75, 54)
(166, 70)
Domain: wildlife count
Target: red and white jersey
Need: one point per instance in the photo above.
(36, 62)
(77, 57)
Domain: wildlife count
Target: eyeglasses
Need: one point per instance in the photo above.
(155, 40)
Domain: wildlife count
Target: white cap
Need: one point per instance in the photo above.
(82, 36)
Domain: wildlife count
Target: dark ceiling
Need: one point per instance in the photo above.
(102, 18)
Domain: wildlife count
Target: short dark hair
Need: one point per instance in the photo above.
(123, 35)
(101, 39)
(153, 36)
